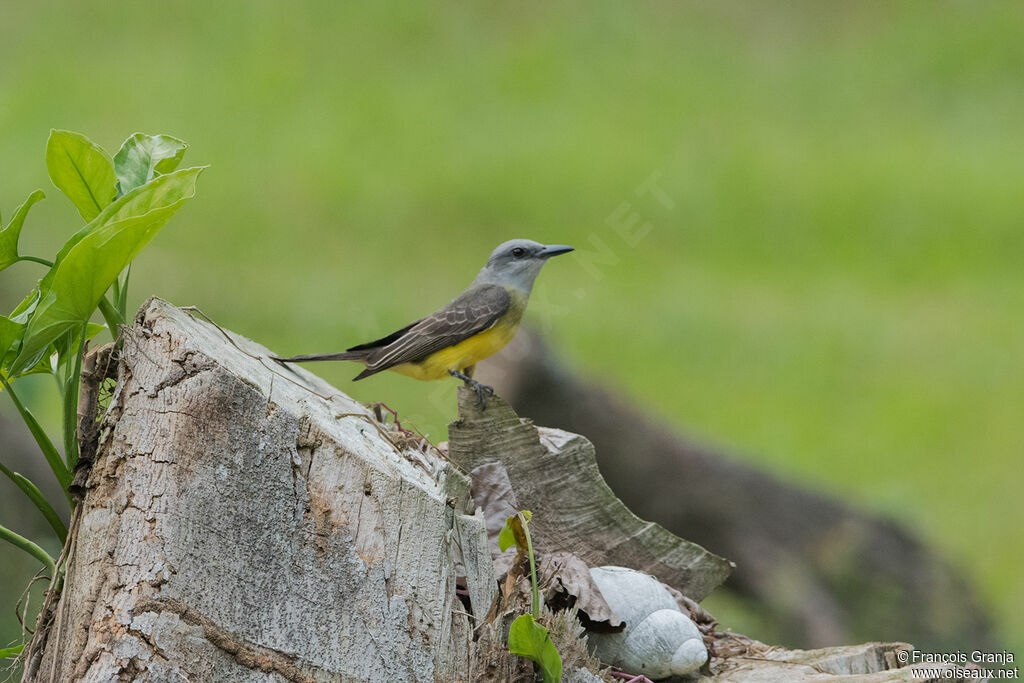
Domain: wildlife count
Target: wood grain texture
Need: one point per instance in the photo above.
(867, 663)
(248, 522)
(554, 474)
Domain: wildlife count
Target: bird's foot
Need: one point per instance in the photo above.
(482, 390)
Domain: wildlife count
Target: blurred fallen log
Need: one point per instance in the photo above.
(821, 570)
(552, 472)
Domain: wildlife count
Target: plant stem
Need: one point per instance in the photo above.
(28, 546)
(36, 259)
(115, 291)
(111, 314)
(112, 317)
(45, 445)
(533, 568)
(122, 301)
(71, 404)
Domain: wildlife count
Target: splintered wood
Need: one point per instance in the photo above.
(233, 528)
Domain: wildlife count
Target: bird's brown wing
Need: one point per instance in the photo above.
(471, 312)
(384, 341)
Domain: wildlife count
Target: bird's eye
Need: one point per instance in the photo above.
(519, 252)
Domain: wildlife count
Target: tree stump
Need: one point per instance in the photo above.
(245, 521)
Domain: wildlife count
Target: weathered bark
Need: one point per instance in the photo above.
(243, 521)
(819, 570)
(868, 663)
(553, 473)
(247, 522)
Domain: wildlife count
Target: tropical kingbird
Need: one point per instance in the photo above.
(474, 325)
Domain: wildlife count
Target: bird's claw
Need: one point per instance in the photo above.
(482, 392)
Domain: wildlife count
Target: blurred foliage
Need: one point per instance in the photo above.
(837, 290)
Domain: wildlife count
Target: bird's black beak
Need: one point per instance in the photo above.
(554, 250)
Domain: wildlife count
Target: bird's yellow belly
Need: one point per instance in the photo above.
(464, 354)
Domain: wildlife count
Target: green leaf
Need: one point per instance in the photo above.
(512, 533)
(37, 498)
(529, 639)
(43, 366)
(7, 652)
(506, 539)
(81, 170)
(23, 310)
(85, 270)
(93, 329)
(143, 157)
(23, 313)
(27, 545)
(10, 233)
(10, 334)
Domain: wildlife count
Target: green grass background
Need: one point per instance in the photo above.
(837, 292)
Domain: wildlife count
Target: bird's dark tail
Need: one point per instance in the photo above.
(343, 355)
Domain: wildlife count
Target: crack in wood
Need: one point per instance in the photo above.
(245, 653)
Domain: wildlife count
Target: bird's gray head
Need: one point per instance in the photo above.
(516, 263)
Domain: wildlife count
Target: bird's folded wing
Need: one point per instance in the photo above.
(472, 312)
